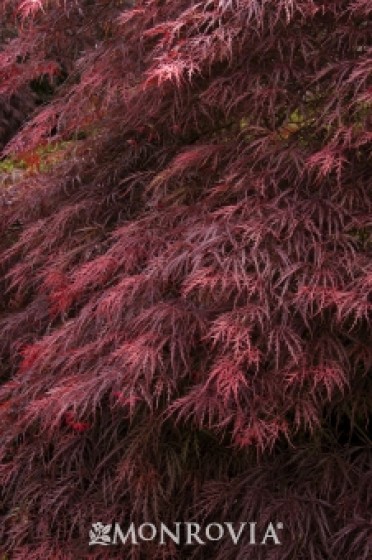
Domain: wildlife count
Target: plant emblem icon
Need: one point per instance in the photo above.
(99, 534)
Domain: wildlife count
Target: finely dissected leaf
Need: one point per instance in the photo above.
(186, 303)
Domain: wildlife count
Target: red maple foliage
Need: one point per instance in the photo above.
(186, 312)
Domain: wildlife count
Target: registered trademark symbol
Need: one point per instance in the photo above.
(279, 525)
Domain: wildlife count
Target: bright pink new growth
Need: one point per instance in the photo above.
(187, 297)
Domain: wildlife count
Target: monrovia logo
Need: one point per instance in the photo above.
(99, 534)
(184, 533)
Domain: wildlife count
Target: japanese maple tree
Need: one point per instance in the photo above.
(186, 302)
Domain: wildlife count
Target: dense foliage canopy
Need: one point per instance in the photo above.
(186, 289)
